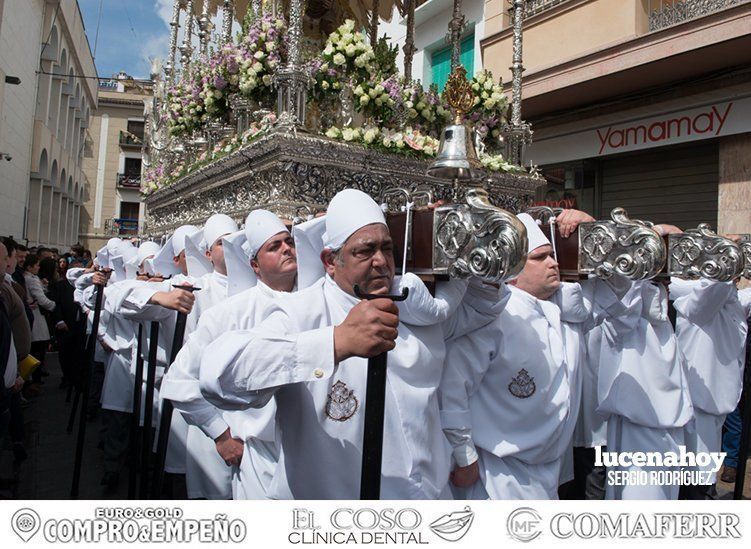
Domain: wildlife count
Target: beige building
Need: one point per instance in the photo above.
(113, 204)
(644, 104)
(43, 119)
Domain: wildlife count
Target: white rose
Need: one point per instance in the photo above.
(270, 47)
(364, 100)
(325, 85)
(489, 104)
(259, 55)
(360, 62)
(347, 134)
(257, 66)
(339, 59)
(266, 79)
(372, 93)
(349, 50)
(489, 85)
(328, 50)
(370, 135)
(333, 133)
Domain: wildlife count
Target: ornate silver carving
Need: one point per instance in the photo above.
(174, 25)
(186, 50)
(283, 172)
(478, 239)
(373, 30)
(623, 246)
(204, 28)
(409, 48)
(746, 249)
(456, 28)
(701, 253)
(291, 80)
(228, 12)
(517, 133)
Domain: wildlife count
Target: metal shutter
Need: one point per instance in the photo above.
(675, 185)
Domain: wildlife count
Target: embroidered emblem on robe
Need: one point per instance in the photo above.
(341, 403)
(523, 385)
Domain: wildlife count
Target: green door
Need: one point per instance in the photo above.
(440, 61)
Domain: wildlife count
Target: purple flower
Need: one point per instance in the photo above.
(219, 82)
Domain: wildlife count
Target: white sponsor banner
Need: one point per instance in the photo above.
(271, 524)
(708, 121)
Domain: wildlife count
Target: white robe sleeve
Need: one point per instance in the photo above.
(467, 360)
(133, 301)
(744, 296)
(182, 386)
(71, 275)
(481, 305)
(421, 308)
(705, 301)
(242, 369)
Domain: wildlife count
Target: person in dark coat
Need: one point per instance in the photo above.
(69, 324)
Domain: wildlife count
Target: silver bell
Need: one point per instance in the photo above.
(457, 157)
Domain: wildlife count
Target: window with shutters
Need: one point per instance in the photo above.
(440, 62)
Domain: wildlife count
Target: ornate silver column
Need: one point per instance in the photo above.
(409, 42)
(186, 50)
(456, 27)
(373, 31)
(291, 81)
(517, 133)
(169, 69)
(228, 11)
(204, 28)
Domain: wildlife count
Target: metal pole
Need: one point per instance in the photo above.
(374, 23)
(84, 393)
(375, 407)
(169, 69)
(148, 410)
(409, 42)
(136, 418)
(165, 421)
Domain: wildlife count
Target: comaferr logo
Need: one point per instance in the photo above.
(708, 122)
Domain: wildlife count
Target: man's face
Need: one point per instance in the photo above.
(21, 257)
(3, 259)
(215, 254)
(365, 259)
(181, 262)
(276, 261)
(540, 276)
(12, 262)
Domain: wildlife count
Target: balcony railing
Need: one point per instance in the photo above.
(120, 226)
(533, 7)
(128, 139)
(129, 181)
(666, 13)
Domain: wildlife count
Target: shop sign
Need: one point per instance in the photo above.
(712, 120)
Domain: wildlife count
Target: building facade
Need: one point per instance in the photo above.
(44, 119)
(431, 63)
(113, 205)
(644, 104)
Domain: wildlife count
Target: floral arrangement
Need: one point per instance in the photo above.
(489, 108)
(409, 141)
(262, 51)
(185, 108)
(400, 116)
